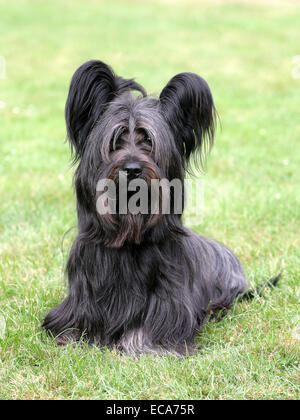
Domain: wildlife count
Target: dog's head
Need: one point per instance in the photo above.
(116, 135)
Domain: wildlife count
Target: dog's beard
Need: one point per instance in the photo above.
(120, 224)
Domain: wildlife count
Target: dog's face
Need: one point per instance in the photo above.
(117, 134)
(133, 137)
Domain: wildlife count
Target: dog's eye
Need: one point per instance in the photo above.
(116, 144)
(148, 141)
(118, 139)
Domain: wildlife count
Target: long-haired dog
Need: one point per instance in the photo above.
(141, 283)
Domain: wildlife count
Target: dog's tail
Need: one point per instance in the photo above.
(258, 291)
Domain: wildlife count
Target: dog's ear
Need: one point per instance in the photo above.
(188, 106)
(92, 87)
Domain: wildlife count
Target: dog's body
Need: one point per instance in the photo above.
(141, 283)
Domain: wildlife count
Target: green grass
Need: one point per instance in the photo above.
(252, 189)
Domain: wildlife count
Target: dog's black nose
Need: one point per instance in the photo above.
(133, 169)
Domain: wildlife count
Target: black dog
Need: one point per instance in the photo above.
(142, 283)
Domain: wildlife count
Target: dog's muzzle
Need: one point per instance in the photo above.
(133, 169)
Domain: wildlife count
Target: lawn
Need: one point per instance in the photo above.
(247, 53)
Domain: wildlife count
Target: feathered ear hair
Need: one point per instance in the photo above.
(188, 106)
(92, 87)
